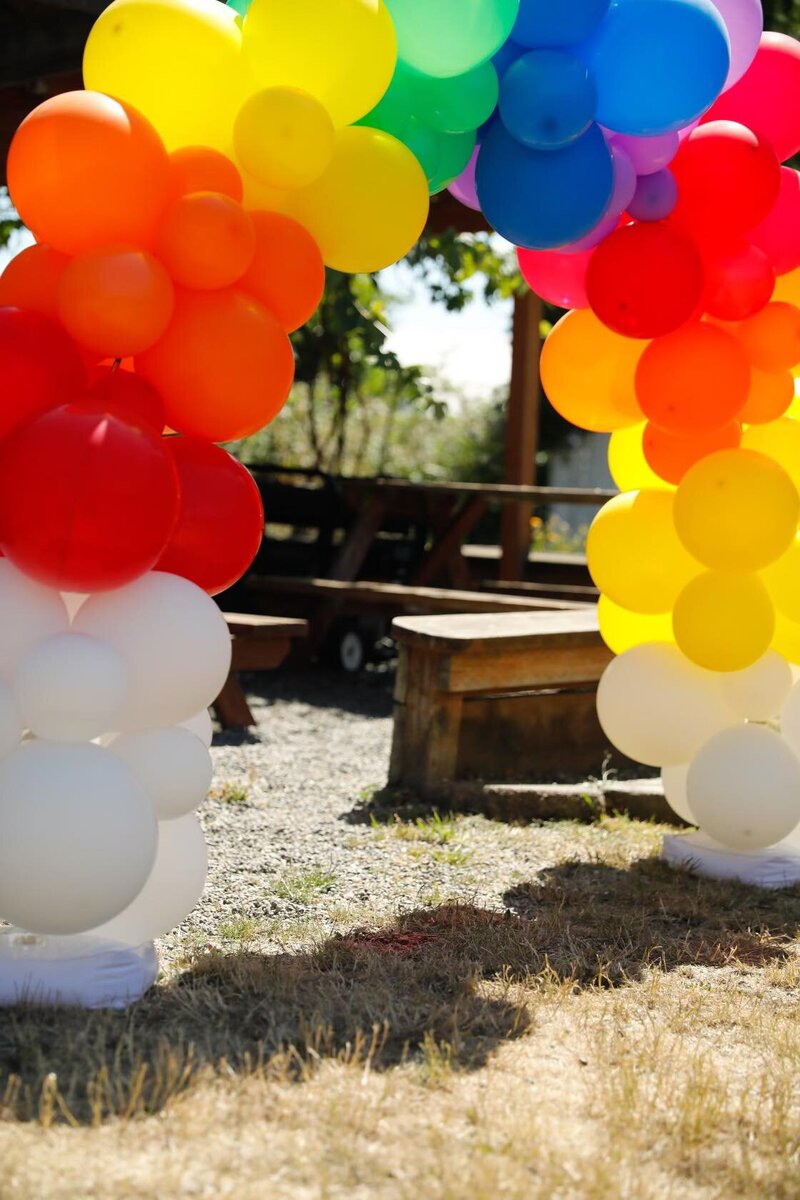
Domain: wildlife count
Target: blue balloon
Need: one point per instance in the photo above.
(557, 22)
(657, 66)
(655, 197)
(547, 99)
(540, 199)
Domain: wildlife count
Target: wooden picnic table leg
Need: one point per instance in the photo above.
(445, 554)
(231, 707)
(427, 723)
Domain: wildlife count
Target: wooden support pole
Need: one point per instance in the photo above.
(522, 432)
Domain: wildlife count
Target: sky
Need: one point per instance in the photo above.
(471, 350)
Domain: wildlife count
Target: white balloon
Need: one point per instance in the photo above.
(172, 765)
(70, 688)
(790, 718)
(78, 837)
(174, 887)
(201, 726)
(30, 613)
(758, 692)
(674, 780)
(744, 788)
(657, 707)
(174, 641)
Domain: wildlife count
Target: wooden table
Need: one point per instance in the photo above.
(528, 678)
(258, 644)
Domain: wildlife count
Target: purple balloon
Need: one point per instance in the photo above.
(744, 20)
(655, 197)
(464, 188)
(648, 154)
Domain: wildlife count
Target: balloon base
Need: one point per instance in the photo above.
(775, 867)
(80, 971)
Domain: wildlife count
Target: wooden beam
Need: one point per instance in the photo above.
(522, 431)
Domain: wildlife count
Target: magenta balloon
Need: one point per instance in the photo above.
(745, 23)
(655, 198)
(464, 188)
(595, 236)
(648, 154)
(557, 277)
(779, 235)
(767, 97)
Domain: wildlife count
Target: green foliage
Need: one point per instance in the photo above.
(783, 15)
(9, 221)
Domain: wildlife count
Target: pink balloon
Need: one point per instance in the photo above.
(745, 23)
(557, 277)
(464, 188)
(648, 154)
(767, 97)
(779, 235)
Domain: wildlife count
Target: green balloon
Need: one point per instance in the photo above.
(457, 150)
(459, 104)
(240, 6)
(449, 37)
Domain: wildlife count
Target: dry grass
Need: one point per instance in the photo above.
(618, 1031)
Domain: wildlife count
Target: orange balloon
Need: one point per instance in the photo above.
(770, 395)
(201, 169)
(224, 367)
(287, 273)
(771, 338)
(85, 170)
(31, 280)
(206, 240)
(115, 302)
(670, 455)
(693, 380)
(588, 373)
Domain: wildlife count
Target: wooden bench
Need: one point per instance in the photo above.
(258, 644)
(495, 697)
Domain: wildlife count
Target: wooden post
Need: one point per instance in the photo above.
(522, 432)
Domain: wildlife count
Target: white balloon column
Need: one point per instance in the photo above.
(104, 740)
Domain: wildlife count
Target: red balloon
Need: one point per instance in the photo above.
(728, 181)
(127, 396)
(40, 367)
(767, 97)
(671, 455)
(220, 518)
(645, 280)
(87, 500)
(779, 235)
(740, 280)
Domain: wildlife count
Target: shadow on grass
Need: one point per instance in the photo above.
(457, 980)
(433, 978)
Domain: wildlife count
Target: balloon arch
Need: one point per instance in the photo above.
(185, 207)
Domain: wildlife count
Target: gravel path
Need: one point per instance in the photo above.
(293, 854)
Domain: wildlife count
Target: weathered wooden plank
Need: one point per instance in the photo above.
(539, 668)
(448, 546)
(402, 598)
(573, 626)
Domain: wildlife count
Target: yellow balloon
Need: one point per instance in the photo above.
(621, 629)
(786, 639)
(783, 582)
(177, 61)
(634, 553)
(629, 468)
(284, 137)
(724, 621)
(344, 52)
(736, 510)
(370, 206)
(779, 440)
(588, 373)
